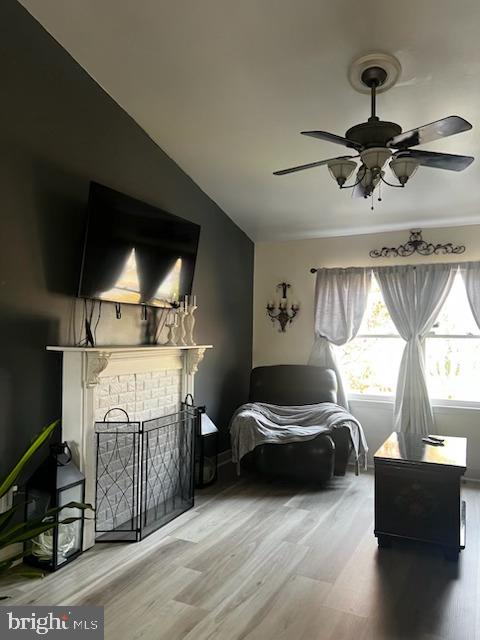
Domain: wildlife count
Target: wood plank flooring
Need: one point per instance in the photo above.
(259, 560)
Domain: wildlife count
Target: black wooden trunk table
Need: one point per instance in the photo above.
(417, 492)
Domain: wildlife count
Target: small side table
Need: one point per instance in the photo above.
(417, 492)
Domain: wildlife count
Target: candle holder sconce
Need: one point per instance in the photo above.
(283, 312)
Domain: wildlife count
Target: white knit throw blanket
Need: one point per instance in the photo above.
(257, 423)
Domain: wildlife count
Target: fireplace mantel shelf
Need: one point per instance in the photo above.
(128, 348)
(107, 360)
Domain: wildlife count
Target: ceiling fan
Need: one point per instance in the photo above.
(378, 141)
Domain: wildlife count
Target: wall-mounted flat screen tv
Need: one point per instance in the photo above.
(135, 253)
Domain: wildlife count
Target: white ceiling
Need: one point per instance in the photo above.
(225, 86)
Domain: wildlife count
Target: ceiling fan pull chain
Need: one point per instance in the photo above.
(380, 191)
(372, 208)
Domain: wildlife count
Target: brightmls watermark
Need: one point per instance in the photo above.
(59, 622)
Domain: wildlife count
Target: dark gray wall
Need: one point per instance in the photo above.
(58, 131)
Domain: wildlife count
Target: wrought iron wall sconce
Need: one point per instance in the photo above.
(416, 244)
(284, 312)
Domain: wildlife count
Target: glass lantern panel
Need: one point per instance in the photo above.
(38, 502)
(209, 469)
(69, 535)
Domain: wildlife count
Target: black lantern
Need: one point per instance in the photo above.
(206, 452)
(56, 483)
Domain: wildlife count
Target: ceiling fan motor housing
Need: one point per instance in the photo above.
(374, 133)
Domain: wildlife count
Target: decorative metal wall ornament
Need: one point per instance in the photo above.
(282, 313)
(416, 244)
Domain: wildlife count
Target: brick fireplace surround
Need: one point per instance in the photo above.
(147, 382)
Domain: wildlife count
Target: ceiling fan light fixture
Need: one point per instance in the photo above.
(370, 179)
(404, 167)
(341, 170)
(375, 157)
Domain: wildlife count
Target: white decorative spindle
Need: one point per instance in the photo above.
(191, 325)
(182, 313)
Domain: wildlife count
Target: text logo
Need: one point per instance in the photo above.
(59, 622)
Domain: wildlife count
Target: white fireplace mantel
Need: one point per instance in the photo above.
(140, 359)
(84, 369)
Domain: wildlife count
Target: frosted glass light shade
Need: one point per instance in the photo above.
(341, 169)
(403, 168)
(375, 157)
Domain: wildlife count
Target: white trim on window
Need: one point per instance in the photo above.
(378, 335)
(455, 404)
(454, 336)
(390, 400)
(442, 336)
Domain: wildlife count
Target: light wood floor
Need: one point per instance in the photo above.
(257, 560)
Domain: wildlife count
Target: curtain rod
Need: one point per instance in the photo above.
(408, 264)
(314, 270)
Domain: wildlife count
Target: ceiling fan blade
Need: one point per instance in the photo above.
(331, 137)
(448, 161)
(434, 131)
(310, 165)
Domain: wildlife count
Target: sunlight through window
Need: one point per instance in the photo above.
(127, 287)
(169, 289)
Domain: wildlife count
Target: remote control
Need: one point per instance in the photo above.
(434, 443)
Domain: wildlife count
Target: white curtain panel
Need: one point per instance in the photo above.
(471, 276)
(414, 297)
(340, 301)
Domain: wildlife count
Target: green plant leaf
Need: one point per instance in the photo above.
(27, 534)
(37, 522)
(6, 516)
(6, 564)
(54, 510)
(32, 532)
(31, 574)
(69, 520)
(7, 483)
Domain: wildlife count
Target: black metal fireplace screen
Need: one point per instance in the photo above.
(145, 473)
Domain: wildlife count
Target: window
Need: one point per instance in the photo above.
(370, 363)
(453, 350)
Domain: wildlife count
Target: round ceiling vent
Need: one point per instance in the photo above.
(358, 72)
